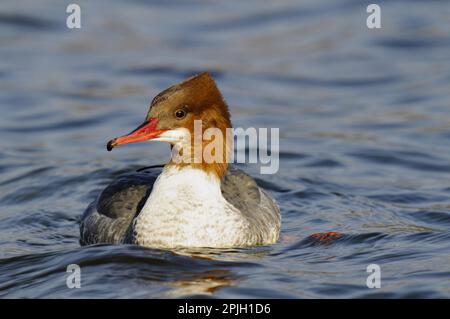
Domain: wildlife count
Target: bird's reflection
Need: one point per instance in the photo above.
(209, 282)
(206, 283)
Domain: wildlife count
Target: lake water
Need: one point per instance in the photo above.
(364, 118)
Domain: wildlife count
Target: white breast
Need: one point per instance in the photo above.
(186, 209)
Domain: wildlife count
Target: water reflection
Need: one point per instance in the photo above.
(206, 283)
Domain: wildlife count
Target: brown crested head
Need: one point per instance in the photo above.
(196, 95)
(178, 107)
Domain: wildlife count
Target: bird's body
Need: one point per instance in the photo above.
(182, 209)
(193, 203)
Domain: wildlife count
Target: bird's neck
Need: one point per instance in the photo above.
(208, 151)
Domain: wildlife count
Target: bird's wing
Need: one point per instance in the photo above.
(108, 218)
(253, 202)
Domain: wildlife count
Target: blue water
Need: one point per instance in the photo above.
(364, 118)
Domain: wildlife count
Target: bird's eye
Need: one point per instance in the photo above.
(180, 113)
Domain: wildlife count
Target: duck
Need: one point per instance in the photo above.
(193, 203)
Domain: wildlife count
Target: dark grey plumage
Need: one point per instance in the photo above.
(109, 218)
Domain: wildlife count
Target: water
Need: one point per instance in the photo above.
(364, 118)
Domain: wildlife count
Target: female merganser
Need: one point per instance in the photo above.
(196, 204)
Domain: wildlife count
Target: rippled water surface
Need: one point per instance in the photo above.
(364, 118)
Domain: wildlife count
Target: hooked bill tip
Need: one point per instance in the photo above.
(111, 145)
